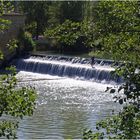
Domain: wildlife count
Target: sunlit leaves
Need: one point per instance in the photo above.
(89, 135)
(15, 101)
(7, 129)
(114, 12)
(117, 24)
(66, 33)
(4, 24)
(125, 125)
(12, 44)
(37, 12)
(28, 41)
(69, 33)
(5, 8)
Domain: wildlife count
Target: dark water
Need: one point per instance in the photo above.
(64, 107)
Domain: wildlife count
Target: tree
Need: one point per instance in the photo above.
(71, 10)
(117, 27)
(14, 101)
(36, 13)
(60, 11)
(88, 7)
(54, 14)
(71, 36)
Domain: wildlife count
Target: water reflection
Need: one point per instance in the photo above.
(64, 107)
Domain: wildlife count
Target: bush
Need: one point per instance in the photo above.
(16, 102)
(26, 40)
(29, 44)
(31, 28)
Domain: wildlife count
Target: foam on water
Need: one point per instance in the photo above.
(71, 95)
(60, 68)
(64, 106)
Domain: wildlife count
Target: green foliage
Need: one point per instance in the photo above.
(66, 33)
(37, 11)
(14, 101)
(131, 88)
(54, 14)
(17, 101)
(28, 41)
(100, 54)
(117, 27)
(31, 28)
(5, 7)
(88, 10)
(125, 125)
(7, 129)
(12, 44)
(88, 134)
(72, 34)
(4, 24)
(25, 39)
(113, 12)
(121, 39)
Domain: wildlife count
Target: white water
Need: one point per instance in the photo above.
(69, 69)
(64, 106)
(71, 95)
(96, 66)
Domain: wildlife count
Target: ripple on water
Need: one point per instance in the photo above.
(64, 107)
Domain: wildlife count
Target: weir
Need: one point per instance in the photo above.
(65, 105)
(72, 67)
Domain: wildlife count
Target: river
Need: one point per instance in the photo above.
(65, 106)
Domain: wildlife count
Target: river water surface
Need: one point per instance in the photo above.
(64, 106)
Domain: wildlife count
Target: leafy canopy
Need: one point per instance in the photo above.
(14, 100)
(118, 29)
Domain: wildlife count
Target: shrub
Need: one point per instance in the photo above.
(29, 44)
(31, 28)
(26, 40)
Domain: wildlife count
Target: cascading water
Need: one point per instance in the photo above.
(78, 68)
(65, 106)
